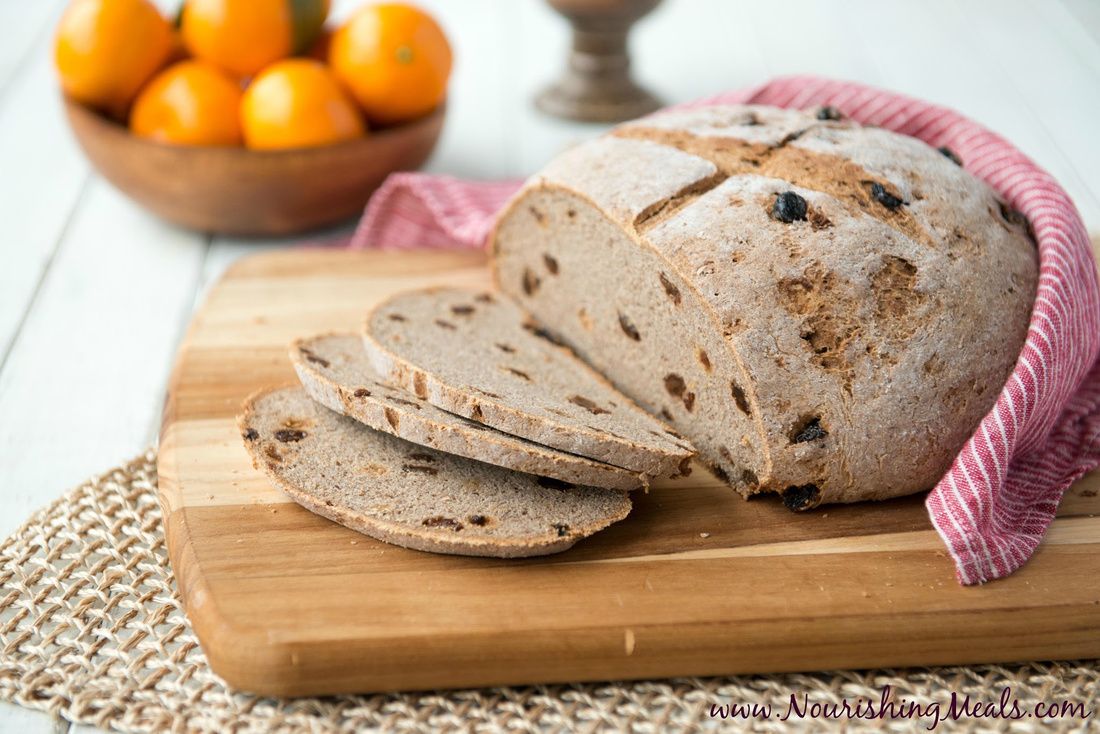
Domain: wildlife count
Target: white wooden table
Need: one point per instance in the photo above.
(95, 293)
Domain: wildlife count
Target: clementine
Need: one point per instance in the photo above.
(244, 36)
(105, 50)
(297, 103)
(189, 103)
(395, 60)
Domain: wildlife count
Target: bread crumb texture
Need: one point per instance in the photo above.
(493, 366)
(412, 495)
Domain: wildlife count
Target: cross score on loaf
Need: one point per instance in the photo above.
(824, 310)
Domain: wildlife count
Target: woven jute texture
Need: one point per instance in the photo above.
(92, 630)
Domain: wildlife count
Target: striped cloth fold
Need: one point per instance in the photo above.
(996, 501)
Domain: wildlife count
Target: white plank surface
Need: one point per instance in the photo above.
(85, 377)
(95, 294)
(1087, 15)
(43, 176)
(16, 720)
(25, 26)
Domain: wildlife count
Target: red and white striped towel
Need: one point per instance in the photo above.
(995, 503)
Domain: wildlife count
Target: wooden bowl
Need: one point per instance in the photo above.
(244, 192)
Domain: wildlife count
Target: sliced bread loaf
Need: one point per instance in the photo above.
(825, 310)
(478, 356)
(335, 372)
(410, 495)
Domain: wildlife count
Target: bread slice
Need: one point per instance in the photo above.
(477, 355)
(410, 495)
(335, 372)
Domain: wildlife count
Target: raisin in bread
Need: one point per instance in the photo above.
(825, 310)
(410, 495)
(478, 356)
(334, 370)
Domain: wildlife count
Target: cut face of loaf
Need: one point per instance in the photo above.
(476, 355)
(334, 370)
(413, 496)
(824, 310)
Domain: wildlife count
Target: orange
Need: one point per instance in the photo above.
(298, 103)
(106, 49)
(244, 36)
(189, 103)
(395, 59)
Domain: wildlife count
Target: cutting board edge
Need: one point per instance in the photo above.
(252, 660)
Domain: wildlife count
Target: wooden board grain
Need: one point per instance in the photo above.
(696, 581)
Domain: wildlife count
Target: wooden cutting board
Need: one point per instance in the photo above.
(696, 581)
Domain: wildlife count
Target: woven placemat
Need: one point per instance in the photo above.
(92, 630)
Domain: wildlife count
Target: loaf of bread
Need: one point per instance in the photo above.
(824, 310)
